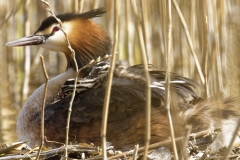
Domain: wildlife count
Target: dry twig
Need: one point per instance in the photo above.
(54, 152)
(12, 146)
(135, 152)
(185, 141)
(146, 74)
(167, 142)
(167, 85)
(189, 41)
(205, 65)
(109, 82)
(76, 77)
(43, 106)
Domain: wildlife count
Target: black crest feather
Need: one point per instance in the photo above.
(70, 16)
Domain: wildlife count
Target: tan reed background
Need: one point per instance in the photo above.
(214, 27)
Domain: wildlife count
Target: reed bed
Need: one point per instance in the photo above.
(204, 45)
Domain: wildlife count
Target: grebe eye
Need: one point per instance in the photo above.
(55, 29)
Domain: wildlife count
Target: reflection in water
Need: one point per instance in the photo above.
(8, 125)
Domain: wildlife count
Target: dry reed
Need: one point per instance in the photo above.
(212, 25)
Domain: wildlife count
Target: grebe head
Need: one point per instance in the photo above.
(87, 38)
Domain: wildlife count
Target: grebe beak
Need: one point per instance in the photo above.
(28, 40)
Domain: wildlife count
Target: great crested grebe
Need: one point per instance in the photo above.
(126, 122)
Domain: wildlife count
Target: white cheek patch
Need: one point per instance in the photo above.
(57, 42)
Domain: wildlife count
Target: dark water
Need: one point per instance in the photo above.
(8, 125)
